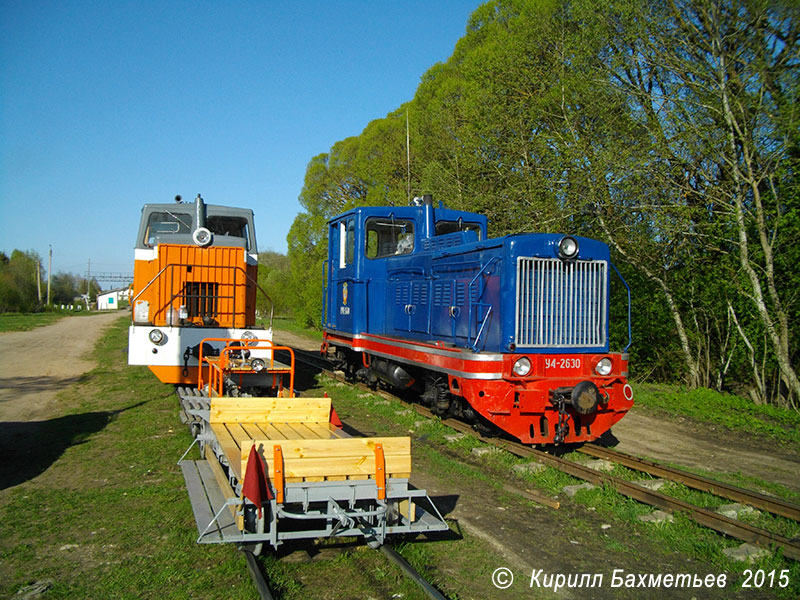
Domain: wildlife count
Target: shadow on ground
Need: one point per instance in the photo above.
(29, 448)
(14, 386)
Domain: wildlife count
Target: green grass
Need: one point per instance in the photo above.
(734, 412)
(108, 516)
(27, 321)
(290, 325)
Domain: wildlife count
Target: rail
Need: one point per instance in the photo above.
(771, 504)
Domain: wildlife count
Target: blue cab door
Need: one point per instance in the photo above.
(342, 288)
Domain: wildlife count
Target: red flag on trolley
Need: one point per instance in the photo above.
(334, 420)
(256, 485)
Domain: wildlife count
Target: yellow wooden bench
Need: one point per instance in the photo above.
(312, 449)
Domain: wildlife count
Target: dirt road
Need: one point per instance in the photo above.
(35, 365)
(705, 447)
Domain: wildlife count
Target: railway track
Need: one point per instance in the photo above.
(770, 504)
(702, 516)
(258, 577)
(265, 593)
(194, 399)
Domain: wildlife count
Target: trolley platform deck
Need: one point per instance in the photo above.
(319, 481)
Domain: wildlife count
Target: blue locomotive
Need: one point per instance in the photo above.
(512, 331)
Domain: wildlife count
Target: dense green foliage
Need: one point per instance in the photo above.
(273, 276)
(20, 291)
(668, 129)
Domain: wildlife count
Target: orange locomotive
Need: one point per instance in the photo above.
(195, 277)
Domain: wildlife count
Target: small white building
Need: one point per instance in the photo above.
(110, 300)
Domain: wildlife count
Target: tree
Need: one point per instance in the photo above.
(18, 281)
(666, 128)
(716, 83)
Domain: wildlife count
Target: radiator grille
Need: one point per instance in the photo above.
(561, 304)
(200, 299)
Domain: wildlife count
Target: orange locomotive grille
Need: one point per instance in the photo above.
(211, 285)
(200, 299)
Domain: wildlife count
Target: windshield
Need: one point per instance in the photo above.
(166, 223)
(226, 225)
(445, 227)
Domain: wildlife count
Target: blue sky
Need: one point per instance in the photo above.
(107, 105)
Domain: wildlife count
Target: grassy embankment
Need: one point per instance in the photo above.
(93, 499)
(734, 413)
(28, 321)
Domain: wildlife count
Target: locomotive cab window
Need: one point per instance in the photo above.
(166, 223)
(347, 243)
(445, 227)
(389, 237)
(236, 227)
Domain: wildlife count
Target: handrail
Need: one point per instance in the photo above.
(235, 268)
(156, 276)
(245, 345)
(324, 292)
(474, 345)
(627, 287)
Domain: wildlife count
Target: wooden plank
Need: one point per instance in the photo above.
(285, 430)
(348, 457)
(229, 446)
(268, 410)
(324, 431)
(354, 446)
(303, 432)
(332, 467)
(224, 484)
(237, 432)
(252, 430)
(271, 431)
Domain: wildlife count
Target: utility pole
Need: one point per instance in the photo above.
(39, 279)
(49, 271)
(88, 277)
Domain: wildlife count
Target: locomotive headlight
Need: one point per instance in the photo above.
(258, 364)
(156, 336)
(248, 337)
(568, 247)
(202, 236)
(522, 367)
(603, 366)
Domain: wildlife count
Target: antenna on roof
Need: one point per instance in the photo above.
(408, 162)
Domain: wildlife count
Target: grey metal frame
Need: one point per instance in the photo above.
(347, 509)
